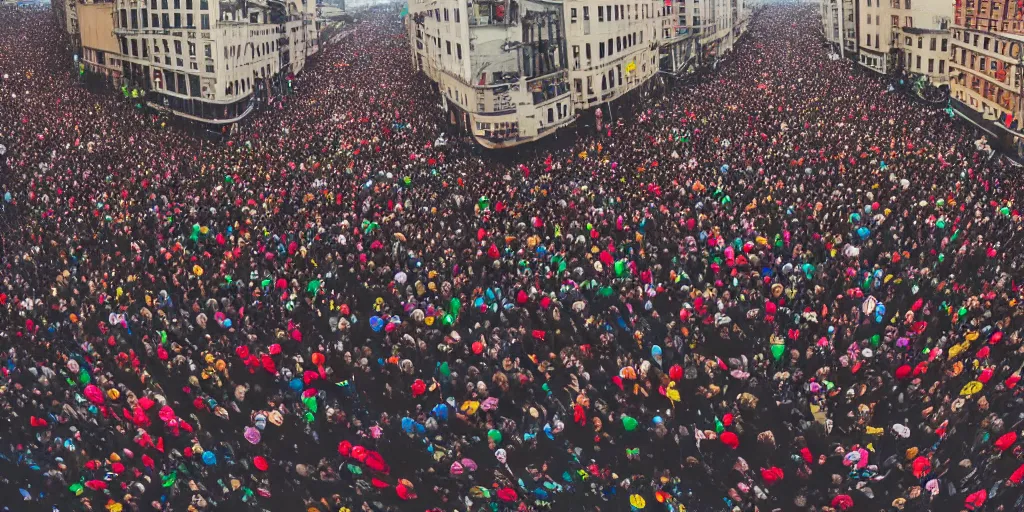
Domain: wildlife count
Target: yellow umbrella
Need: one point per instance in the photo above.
(637, 501)
(971, 388)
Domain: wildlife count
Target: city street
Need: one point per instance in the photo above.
(784, 286)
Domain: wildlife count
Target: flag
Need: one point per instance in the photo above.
(405, 11)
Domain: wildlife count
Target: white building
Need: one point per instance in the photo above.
(839, 23)
(501, 65)
(209, 61)
(615, 47)
(907, 35)
(680, 37)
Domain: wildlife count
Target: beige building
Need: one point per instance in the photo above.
(66, 12)
(212, 61)
(909, 36)
(100, 51)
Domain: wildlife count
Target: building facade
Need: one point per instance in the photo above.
(210, 61)
(66, 12)
(839, 24)
(679, 38)
(985, 61)
(100, 49)
(905, 36)
(511, 71)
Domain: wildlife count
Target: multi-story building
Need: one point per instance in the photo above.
(211, 61)
(501, 66)
(839, 23)
(618, 47)
(511, 71)
(921, 38)
(678, 39)
(100, 49)
(985, 61)
(890, 30)
(66, 12)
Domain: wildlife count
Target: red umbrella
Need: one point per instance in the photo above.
(96, 485)
(380, 484)
(975, 500)
(772, 475)
(94, 394)
(146, 403)
(730, 439)
(922, 466)
(359, 453)
(1005, 441)
(345, 448)
(903, 371)
(404, 492)
(260, 463)
(418, 387)
(507, 495)
(675, 372)
(842, 502)
(1018, 476)
(376, 462)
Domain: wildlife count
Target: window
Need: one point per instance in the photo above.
(600, 13)
(931, 65)
(458, 51)
(611, 48)
(986, 42)
(177, 20)
(895, 21)
(869, 19)
(942, 66)
(204, 5)
(177, 4)
(869, 40)
(588, 52)
(931, 44)
(156, 21)
(908, 4)
(586, 13)
(920, 43)
(135, 48)
(208, 51)
(572, 14)
(578, 83)
(918, 62)
(192, 49)
(165, 20)
(869, 3)
(457, 17)
(909, 42)
(878, 21)
(188, 5)
(944, 44)
(448, 46)
(204, 21)
(600, 49)
(163, 4)
(177, 47)
(189, 21)
(909, 22)
(209, 68)
(446, 14)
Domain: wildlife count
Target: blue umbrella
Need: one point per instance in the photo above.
(376, 323)
(863, 232)
(209, 458)
(296, 384)
(440, 411)
(410, 426)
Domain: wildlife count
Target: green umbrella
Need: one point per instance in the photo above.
(875, 340)
(494, 435)
(620, 268)
(313, 286)
(445, 370)
(355, 470)
(777, 351)
(311, 404)
(170, 478)
(629, 423)
(719, 426)
(77, 489)
(484, 203)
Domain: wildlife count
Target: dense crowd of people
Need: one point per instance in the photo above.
(782, 288)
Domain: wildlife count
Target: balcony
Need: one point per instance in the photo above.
(486, 13)
(548, 87)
